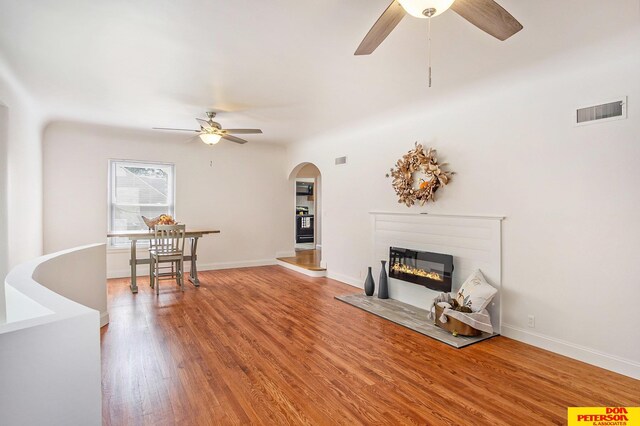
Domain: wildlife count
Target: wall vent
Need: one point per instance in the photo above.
(614, 110)
(341, 160)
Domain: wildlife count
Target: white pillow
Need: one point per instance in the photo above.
(476, 293)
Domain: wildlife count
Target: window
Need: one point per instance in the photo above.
(138, 189)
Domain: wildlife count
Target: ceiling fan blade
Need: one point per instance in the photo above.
(204, 123)
(175, 130)
(382, 28)
(489, 16)
(243, 131)
(233, 139)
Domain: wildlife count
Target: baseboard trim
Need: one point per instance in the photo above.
(346, 279)
(104, 319)
(232, 265)
(614, 363)
(290, 253)
(126, 273)
(307, 272)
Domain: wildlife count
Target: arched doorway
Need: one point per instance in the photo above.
(306, 220)
(307, 212)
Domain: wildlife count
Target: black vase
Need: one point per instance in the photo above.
(383, 288)
(369, 285)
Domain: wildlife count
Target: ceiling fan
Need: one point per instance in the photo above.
(211, 132)
(487, 15)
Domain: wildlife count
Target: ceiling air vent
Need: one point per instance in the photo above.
(341, 160)
(615, 110)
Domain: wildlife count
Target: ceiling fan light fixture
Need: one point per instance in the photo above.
(210, 138)
(425, 8)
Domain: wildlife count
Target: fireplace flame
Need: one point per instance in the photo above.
(400, 267)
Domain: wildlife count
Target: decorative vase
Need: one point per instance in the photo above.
(383, 288)
(369, 285)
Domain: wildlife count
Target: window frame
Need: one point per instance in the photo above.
(113, 163)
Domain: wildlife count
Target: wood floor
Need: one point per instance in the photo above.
(307, 259)
(270, 346)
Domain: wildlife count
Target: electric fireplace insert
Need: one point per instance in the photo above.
(432, 270)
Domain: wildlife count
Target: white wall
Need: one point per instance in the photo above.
(308, 171)
(570, 194)
(50, 345)
(20, 177)
(4, 246)
(80, 276)
(245, 193)
(21, 169)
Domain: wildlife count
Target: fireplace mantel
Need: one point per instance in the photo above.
(474, 241)
(461, 216)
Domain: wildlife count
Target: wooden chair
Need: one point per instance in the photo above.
(167, 247)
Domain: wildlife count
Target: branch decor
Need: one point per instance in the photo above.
(433, 177)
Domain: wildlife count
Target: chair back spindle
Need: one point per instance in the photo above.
(167, 246)
(169, 239)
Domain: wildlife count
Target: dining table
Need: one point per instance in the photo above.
(136, 236)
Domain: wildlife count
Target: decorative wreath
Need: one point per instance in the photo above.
(426, 162)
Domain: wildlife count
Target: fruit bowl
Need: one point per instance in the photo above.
(163, 219)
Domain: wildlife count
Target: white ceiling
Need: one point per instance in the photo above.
(285, 66)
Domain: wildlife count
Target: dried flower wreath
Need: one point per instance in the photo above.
(426, 162)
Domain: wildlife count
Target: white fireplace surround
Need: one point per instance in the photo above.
(473, 241)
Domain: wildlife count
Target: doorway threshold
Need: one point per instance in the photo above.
(306, 262)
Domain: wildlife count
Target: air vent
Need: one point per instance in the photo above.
(341, 160)
(615, 110)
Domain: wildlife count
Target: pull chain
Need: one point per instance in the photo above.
(429, 46)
